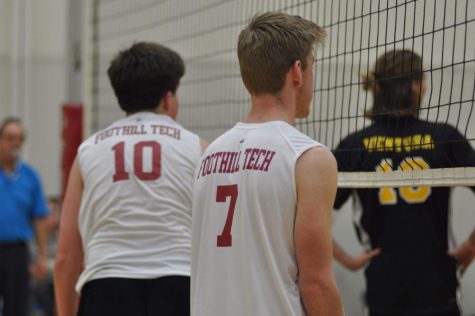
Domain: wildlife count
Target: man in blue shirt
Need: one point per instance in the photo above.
(22, 210)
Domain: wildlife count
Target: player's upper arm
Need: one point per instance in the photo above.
(316, 181)
(69, 237)
(70, 256)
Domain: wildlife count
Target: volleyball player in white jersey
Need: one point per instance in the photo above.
(127, 210)
(264, 192)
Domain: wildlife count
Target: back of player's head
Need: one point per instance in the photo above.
(142, 74)
(392, 83)
(270, 45)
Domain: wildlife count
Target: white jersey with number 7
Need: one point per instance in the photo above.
(244, 204)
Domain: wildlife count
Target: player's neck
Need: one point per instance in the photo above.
(266, 108)
(164, 109)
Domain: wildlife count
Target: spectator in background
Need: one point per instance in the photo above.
(23, 210)
(405, 230)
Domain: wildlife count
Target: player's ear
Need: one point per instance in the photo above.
(416, 87)
(297, 73)
(166, 101)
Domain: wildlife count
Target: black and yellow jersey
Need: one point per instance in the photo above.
(413, 273)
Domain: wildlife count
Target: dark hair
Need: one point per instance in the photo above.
(391, 83)
(142, 74)
(9, 120)
(270, 45)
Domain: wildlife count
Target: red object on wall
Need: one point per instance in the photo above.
(72, 115)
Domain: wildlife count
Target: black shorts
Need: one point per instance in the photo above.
(167, 296)
(14, 278)
(452, 313)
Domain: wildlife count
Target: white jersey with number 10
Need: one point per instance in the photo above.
(135, 216)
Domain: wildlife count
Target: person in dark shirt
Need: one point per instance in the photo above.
(405, 229)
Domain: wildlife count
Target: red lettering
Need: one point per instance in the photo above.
(119, 157)
(120, 173)
(252, 159)
(246, 158)
(125, 130)
(257, 165)
(201, 169)
(205, 161)
(236, 165)
(209, 165)
(156, 160)
(142, 130)
(223, 191)
(267, 160)
(231, 163)
(224, 162)
(218, 155)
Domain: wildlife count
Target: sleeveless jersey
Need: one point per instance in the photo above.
(413, 274)
(135, 215)
(244, 204)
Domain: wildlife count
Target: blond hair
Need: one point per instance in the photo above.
(270, 45)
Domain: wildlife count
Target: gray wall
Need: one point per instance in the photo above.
(33, 78)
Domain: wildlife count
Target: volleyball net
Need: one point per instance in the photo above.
(213, 98)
